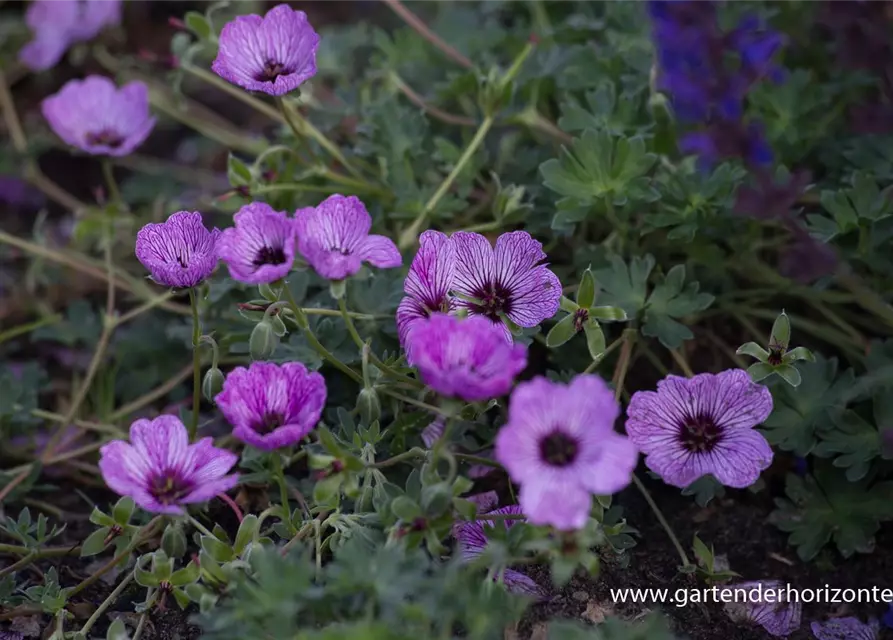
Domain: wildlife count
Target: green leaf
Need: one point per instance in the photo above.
(563, 331)
(95, 542)
(797, 354)
(219, 551)
(704, 489)
(117, 631)
(595, 339)
(188, 574)
(237, 172)
(670, 300)
(626, 286)
(803, 413)
(780, 337)
(198, 24)
(703, 554)
(789, 374)
(406, 508)
(327, 492)
(760, 371)
(436, 499)
(568, 305)
(826, 507)
(607, 314)
(854, 443)
(754, 350)
(123, 510)
(586, 292)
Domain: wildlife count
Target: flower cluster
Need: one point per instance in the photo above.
(693, 54)
(261, 247)
(508, 283)
(58, 24)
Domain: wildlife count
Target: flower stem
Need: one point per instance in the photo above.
(106, 603)
(597, 361)
(415, 452)
(663, 521)
(279, 473)
(109, 175)
(301, 320)
(351, 327)
(196, 366)
(198, 525)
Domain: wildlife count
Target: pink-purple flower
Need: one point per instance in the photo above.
(427, 284)
(334, 238)
(559, 444)
(97, 117)
(764, 603)
(58, 24)
(272, 406)
(467, 359)
(179, 252)
(845, 629)
(691, 427)
(261, 247)
(161, 471)
(273, 54)
(472, 540)
(509, 281)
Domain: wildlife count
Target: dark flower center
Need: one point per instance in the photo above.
(169, 488)
(105, 137)
(269, 255)
(776, 353)
(580, 318)
(559, 449)
(494, 299)
(271, 71)
(700, 433)
(269, 423)
(183, 260)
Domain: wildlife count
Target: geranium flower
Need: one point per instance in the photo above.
(845, 629)
(467, 359)
(179, 252)
(273, 54)
(472, 539)
(58, 24)
(751, 605)
(559, 444)
(509, 280)
(691, 427)
(427, 284)
(334, 238)
(272, 406)
(97, 117)
(161, 471)
(261, 247)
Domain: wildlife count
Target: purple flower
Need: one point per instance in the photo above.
(753, 604)
(179, 252)
(272, 406)
(472, 541)
(95, 116)
(161, 471)
(559, 444)
(261, 247)
(58, 24)
(691, 427)
(508, 280)
(273, 54)
(427, 284)
(334, 238)
(468, 359)
(845, 629)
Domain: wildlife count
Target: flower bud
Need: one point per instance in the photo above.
(263, 341)
(368, 405)
(173, 541)
(212, 383)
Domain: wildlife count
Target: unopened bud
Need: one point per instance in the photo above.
(173, 541)
(263, 341)
(368, 405)
(212, 383)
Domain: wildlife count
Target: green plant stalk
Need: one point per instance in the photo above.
(196, 366)
(92, 620)
(198, 525)
(415, 452)
(109, 174)
(279, 473)
(301, 320)
(22, 329)
(597, 361)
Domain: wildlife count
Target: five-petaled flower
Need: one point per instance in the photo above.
(161, 471)
(273, 54)
(427, 285)
(97, 117)
(179, 252)
(559, 444)
(334, 238)
(272, 406)
(508, 281)
(58, 24)
(691, 427)
(261, 247)
(472, 539)
(468, 359)
(764, 603)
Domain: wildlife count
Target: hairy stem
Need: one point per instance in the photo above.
(196, 365)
